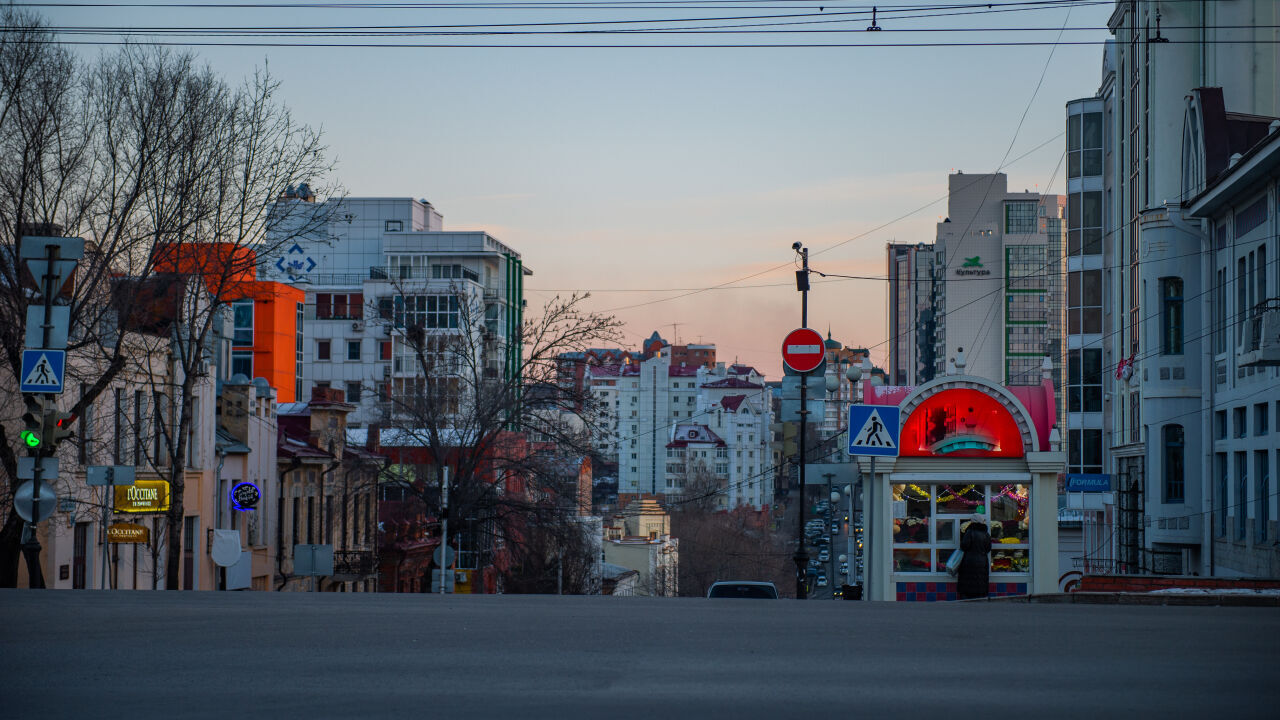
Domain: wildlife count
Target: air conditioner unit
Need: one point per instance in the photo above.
(357, 326)
(1260, 344)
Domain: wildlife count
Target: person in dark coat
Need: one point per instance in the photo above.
(974, 574)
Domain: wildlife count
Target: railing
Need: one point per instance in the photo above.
(353, 562)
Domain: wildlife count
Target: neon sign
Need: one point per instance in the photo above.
(961, 422)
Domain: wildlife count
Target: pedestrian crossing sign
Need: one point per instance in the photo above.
(43, 371)
(873, 430)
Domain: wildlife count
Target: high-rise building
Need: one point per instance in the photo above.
(911, 321)
(1170, 252)
(997, 280)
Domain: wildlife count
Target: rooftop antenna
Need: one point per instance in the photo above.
(873, 27)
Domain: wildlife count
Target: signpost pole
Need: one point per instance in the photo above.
(444, 525)
(802, 557)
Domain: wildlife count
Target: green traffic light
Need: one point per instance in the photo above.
(30, 438)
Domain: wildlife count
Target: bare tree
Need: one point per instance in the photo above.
(511, 433)
(171, 175)
(727, 545)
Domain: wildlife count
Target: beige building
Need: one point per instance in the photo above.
(640, 539)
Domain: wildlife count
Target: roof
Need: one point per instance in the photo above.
(737, 369)
(731, 402)
(733, 382)
(610, 571)
(228, 444)
(697, 434)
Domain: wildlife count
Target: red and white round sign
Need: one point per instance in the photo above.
(803, 350)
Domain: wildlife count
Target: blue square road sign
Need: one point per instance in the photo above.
(873, 430)
(43, 371)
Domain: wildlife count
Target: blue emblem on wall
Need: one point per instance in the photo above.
(294, 266)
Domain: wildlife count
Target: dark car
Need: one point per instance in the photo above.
(751, 589)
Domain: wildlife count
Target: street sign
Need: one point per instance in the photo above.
(27, 468)
(34, 247)
(43, 370)
(312, 559)
(62, 271)
(24, 501)
(873, 430)
(59, 321)
(803, 350)
(109, 475)
(443, 556)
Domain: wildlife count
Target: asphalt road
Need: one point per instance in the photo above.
(219, 655)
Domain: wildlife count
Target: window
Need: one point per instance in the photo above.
(1220, 511)
(299, 353)
(1241, 422)
(353, 350)
(928, 521)
(1220, 425)
(1251, 217)
(322, 349)
(426, 311)
(1170, 316)
(1174, 487)
(1084, 380)
(393, 226)
(1262, 496)
(1084, 302)
(1084, 451)
(384, 350)
(353, 392)
(1260, 419)
(453, 272)
(339, 306)
(1020, 217)
(242, 322)
(242, 362)
(1084, 223)
(1242, 494)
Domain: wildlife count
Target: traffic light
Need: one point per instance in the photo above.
(33, 431)
(59, 427)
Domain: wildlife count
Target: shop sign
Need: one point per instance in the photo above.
(1088, 482)
(144, 496)
(245, 496)
(128, 533)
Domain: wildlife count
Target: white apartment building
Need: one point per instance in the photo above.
(384, 263)
(676, 422)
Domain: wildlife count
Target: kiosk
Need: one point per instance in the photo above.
(967, 445)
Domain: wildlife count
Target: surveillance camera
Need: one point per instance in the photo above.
(796, 246)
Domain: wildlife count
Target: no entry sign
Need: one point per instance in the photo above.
(802, 350)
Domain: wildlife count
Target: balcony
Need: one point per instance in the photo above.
(1260, 344)
(349, 565)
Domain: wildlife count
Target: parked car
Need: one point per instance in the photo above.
(823, 555)
(835, 528)
(751, 589)
(822, 581)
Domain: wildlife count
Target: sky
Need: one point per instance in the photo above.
(671, 182)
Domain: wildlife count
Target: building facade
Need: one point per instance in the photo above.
(1156, 293)
(912, 329)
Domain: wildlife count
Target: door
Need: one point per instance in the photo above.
(188, 553)
(81, 554)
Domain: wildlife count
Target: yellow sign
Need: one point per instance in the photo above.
(143, 496)
(128, 533)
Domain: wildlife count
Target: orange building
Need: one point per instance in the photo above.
(267, 315)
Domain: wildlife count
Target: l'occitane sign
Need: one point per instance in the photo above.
(143, 496)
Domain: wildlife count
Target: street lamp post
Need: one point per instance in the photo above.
(801, 557)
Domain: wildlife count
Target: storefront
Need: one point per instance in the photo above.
(967, 446)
